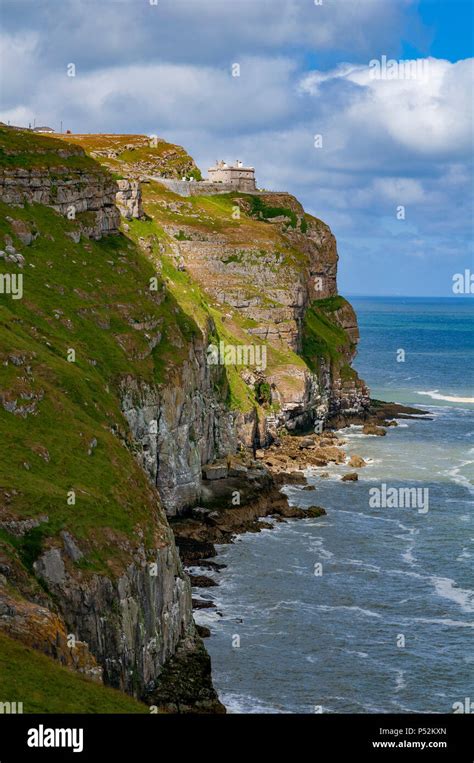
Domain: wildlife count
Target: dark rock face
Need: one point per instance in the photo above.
(185, 684)
(180, 427)
(132, 622)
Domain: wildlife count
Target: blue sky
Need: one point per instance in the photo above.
(387, 144)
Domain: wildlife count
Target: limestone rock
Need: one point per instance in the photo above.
(73, 190)
(129, 199)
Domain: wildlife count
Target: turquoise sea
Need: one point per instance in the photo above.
(387, 622)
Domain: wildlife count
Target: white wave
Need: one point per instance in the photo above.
(435, 395)
(407, 555)
(460, 479)
(245, 703)
(359, 610)
(439, 621)
(447, 589)
(363, 655)
(359, 563)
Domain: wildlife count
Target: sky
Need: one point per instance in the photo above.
(382, 154)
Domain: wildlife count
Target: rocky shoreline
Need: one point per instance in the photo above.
(239, 494)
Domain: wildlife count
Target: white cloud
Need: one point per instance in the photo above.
(159, 96)
(431, 114)
(200, 31)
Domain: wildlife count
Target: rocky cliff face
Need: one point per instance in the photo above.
(183, 425)
(132, 622)
(128, 424)
(60, 176)
(263, 275)
(264, 263)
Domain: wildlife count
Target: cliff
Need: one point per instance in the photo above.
(110, 406)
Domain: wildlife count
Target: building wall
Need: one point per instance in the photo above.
(241, 178)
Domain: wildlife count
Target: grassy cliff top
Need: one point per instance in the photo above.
(29, 150)
(136, 154)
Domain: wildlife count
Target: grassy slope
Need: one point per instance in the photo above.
(89, 297)
(44, 686)
(324, 339)
(29, 150)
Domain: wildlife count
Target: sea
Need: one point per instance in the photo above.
(369, 609)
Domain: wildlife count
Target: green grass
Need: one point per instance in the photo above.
(330, 304)
(322, 338)
(90, 297)
(44, 686)
(29, 150)
(265, 212)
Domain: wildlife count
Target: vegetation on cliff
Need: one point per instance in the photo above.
(135, 311)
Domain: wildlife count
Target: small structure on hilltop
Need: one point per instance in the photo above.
(43, 129)
(235, 175)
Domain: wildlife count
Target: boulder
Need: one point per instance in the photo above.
(22, 232)
(202, 604)
(198, 512)
(373, 429)
(315, 511)
(350, 477)
(357, 462)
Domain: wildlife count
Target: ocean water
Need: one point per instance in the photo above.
(368, 609)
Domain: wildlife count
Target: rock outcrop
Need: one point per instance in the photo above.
(60, 176)
(129, 199)
(79, 195)
(183, 425)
